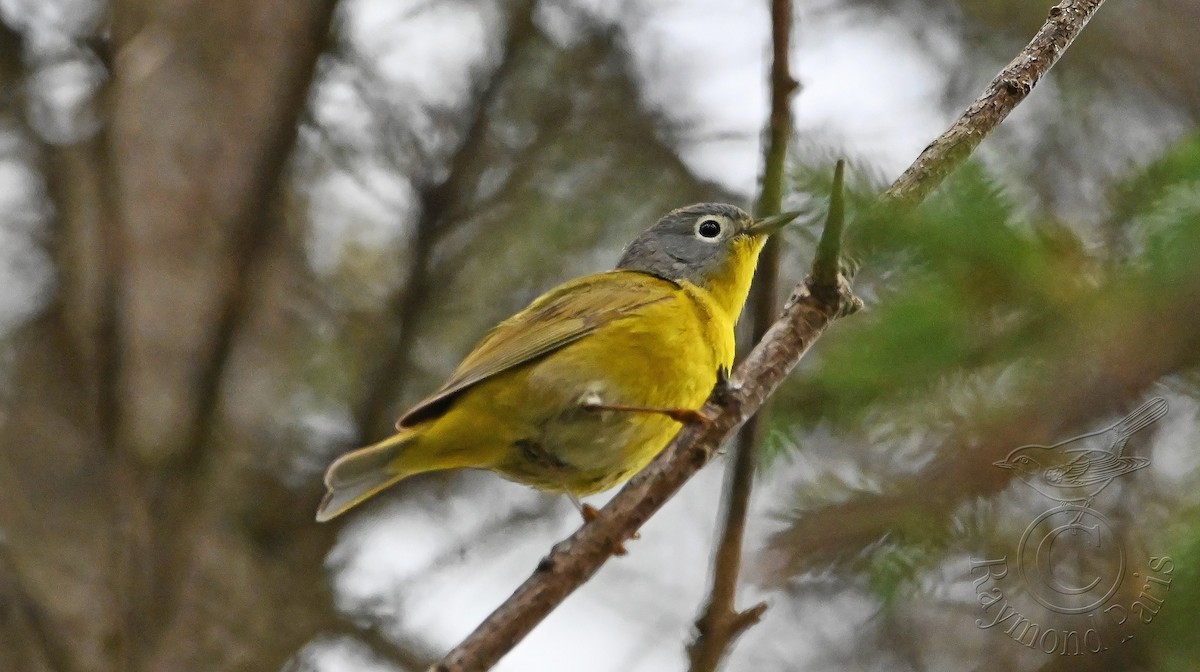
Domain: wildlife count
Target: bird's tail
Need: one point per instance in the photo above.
(1141, 417)
(360, 474)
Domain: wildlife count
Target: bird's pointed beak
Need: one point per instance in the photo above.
(1003, 464)
(768, 225)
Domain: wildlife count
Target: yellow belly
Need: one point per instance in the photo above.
(528, 424)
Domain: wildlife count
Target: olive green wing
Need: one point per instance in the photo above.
(558, 318)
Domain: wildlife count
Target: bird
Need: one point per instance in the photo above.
(585, 386)
(1076, 470)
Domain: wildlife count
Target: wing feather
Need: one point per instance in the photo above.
(554, 320)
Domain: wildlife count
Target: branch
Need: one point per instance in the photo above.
(721, 622)
(437, 201)
(808, 312)
(1005, 91)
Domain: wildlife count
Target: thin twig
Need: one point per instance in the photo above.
(573, 561)
(722, 622)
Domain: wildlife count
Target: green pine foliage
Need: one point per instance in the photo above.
(966, 289)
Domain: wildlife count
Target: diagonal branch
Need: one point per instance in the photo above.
(809, 311)
(1003, 93)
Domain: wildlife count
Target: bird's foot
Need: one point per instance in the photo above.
(590, 513)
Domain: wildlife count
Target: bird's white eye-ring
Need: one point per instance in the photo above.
(709, 228)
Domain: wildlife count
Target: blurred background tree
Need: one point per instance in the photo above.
(239, 237)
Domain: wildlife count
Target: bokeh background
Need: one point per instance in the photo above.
(237, 238)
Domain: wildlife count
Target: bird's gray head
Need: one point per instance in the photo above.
(700, 242)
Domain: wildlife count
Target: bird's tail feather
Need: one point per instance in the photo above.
(358, 475)
(1142, 417)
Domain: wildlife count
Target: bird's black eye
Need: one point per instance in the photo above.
(709, 228)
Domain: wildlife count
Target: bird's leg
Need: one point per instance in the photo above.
(586, 510)
(686, 416)
(589, 514)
